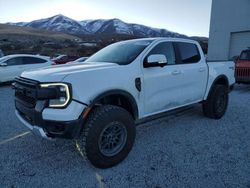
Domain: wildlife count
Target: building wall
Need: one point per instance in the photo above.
(229, 29)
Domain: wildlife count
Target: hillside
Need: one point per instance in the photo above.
(16, 39)
(115, 26)
(12, 30)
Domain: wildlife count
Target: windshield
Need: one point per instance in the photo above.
(59, 57)
(3, 59)
(122, 53)
(245, 55)
(82, 59)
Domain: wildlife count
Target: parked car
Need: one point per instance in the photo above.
(13, 65)
(79, 60)
(242, 73)
(62, 59)
(99, 102)
(1, 53)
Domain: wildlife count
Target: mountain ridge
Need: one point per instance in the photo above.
(61, 23)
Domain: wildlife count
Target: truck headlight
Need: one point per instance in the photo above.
(59, 94)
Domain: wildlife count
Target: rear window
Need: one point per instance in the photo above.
(189, 52)
(33, 60)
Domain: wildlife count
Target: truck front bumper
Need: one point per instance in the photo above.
(243, 80)
(33, 119)
(38, 131)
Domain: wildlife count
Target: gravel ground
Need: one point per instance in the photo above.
(180, 150)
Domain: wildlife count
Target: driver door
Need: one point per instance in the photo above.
(162, 85)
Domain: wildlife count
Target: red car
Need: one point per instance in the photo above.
(62, 59)
(242, 73)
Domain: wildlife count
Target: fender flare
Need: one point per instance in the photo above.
(123, 93)
(215, 82)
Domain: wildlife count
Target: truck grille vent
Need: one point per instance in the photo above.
(242, 72)
(26, 91)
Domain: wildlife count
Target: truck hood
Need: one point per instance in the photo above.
(58, 72)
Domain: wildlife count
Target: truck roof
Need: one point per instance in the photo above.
(165, 38)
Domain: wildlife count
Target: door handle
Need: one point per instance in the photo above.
(176, 72)
(202, 69)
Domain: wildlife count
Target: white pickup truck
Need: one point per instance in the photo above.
(98, 102)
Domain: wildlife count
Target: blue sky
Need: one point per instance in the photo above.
(190, 17)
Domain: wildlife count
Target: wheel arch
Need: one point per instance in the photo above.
(220, 80)
(119, 98)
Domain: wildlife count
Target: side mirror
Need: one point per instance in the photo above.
(156, 60)
(237, 58)
(3, 65)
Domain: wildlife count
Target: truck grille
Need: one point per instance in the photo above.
(26, 91)
(242, 72)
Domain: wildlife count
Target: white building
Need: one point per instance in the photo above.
(229, 29)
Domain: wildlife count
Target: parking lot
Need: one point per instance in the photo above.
(180, 150)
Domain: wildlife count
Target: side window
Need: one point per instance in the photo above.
(32, 60)
(14, 61)
(165, 48)
(188, 52)
(64, 58)
(39, 61)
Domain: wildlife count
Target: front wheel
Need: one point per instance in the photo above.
(108, 136)
(216, 104)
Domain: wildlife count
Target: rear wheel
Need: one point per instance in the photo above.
(216, 105)
(108, 136)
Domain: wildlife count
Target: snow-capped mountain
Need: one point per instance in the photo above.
(112, 26)
(56, 23)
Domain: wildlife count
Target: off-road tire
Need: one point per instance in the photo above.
(98, 120)
(216, 104)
